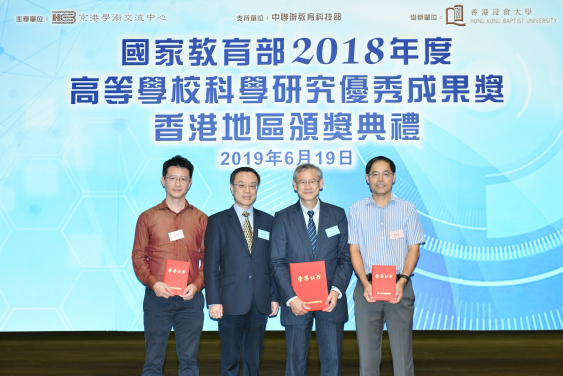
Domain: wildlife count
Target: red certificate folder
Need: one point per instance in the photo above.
(383, 281)
(176, 275)
(308, 279)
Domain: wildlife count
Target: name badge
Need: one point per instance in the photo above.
(399, 234)
(263, 234)
(175, 235)
(332, 231)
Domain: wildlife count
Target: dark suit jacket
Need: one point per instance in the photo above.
(233, 276)
(290, 243)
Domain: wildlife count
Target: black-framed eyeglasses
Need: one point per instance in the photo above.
(384, 174)
(173, 179)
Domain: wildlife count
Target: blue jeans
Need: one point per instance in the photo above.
(160, 316)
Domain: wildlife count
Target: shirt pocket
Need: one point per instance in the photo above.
(398, 244)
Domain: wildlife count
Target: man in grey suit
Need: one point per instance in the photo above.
(311, 230)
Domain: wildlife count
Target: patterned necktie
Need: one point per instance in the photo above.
(312, 230)
(247, 229)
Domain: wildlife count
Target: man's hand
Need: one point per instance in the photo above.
(275, 306)
(298, 307)
(399, 287)
(331, 301)
(189, 292)
(367, 293)
(216, 311)
(162, 290)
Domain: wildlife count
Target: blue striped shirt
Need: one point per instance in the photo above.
(370, 226)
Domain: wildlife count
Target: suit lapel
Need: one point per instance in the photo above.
(302, 228)
(255, 227)
(321, 233)
(235, 223)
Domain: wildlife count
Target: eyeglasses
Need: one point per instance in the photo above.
(183, 179)
(312, 183)
(242, 186)
(385, 174)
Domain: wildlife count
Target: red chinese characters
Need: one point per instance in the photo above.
(176, 275)
(308, 280)
(383, 281)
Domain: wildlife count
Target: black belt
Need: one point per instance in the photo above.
(399, 276)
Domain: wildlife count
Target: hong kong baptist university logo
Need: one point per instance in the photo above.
(454, 15)
(63, 17)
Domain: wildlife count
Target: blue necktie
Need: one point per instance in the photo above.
(312, 231)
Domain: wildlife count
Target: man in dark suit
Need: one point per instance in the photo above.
(311, 230)
(239, 290)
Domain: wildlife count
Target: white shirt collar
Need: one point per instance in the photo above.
(315, 209)
(240, 210)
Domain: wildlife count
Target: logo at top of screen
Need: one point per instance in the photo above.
(454, 15)
(63, 17)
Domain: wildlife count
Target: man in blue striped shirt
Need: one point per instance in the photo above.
(384, 230)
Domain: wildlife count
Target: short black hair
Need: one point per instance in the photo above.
(377, 159)
(244, 169)
(177, 161)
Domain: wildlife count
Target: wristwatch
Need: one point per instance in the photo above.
(405, 277)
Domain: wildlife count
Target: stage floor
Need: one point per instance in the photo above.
(435, 353)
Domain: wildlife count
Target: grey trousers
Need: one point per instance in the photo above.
(370, 318)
